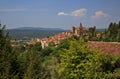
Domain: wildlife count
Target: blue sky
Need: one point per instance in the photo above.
(59, 13)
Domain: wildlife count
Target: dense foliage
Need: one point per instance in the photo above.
(5, 55)
(111, 34)
(71, 59)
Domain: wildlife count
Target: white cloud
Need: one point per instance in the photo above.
(11, 10)
(62, 13)
(79, 12)
(99, 14)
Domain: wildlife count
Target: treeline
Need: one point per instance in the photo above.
(71, 59)
(111, 34)
(31, 34)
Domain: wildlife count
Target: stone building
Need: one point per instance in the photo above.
(80, 30)
(56, 39)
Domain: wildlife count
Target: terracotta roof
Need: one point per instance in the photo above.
(106, 47)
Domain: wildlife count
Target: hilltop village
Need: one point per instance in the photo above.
(75, 30)
(107, 47)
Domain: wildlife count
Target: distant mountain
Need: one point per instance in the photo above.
(35, 28)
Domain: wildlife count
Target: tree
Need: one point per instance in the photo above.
(119, 24)
(33, 65)
(5, 54)
(112, 33)
(118, 36)
(51, 44)
(37, 47)
(75, 62)
(79, 62)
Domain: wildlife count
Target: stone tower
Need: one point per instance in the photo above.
(73, 29)
(80, 27)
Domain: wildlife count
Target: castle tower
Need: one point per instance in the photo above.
(80, 30)
(94, 27)
(80, 27)
(73, 29)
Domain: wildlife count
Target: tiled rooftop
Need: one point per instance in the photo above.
(106, 47)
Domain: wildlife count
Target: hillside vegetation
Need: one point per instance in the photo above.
(31, 34)
(71, 59)
(111, 34)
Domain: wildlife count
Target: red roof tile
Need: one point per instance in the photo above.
(106, 47)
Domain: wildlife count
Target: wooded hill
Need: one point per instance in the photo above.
(71, 59)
